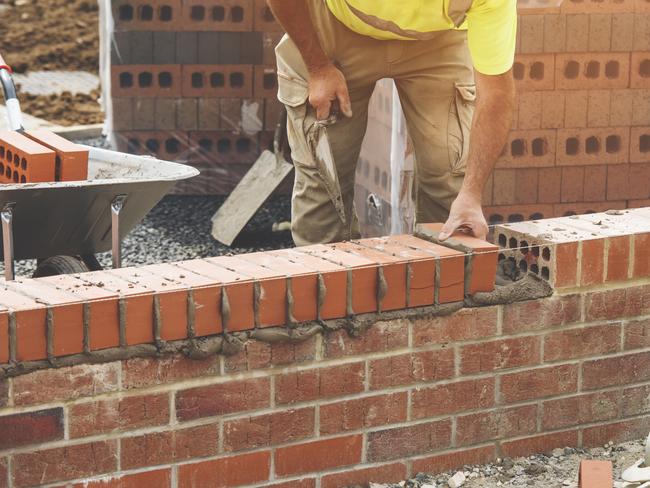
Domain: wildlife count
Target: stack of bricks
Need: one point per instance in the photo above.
(40, 156)
(194, 81)
(581, 137)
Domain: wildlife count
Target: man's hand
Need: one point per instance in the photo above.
(327, 85)
(465, 215)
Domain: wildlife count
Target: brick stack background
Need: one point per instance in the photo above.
(581, 139)
(183, 72)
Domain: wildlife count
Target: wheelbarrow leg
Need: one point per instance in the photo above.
(7, 216)
(116, 207)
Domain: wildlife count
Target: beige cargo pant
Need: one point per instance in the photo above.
(435, 82)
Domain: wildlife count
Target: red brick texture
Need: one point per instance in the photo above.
(414, 392)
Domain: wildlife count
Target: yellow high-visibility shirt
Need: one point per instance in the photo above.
(491, 24)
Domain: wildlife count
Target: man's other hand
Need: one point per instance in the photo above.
(465, 215)
(327, 85)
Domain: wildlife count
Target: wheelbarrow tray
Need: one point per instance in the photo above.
(74, 218)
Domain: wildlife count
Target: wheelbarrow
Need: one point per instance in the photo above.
(64, 224)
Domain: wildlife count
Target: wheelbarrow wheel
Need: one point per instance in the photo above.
(60, 265)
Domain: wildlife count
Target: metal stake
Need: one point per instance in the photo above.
(7, 217)
(116, 207)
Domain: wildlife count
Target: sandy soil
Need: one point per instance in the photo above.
(48, 35)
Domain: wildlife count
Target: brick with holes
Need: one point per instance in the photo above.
(217, 15)
(146, 80)
(147, 15)
(25, 161)
(609, 145)
(219, 81)
(592, 71)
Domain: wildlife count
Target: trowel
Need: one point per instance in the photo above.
(266, 174)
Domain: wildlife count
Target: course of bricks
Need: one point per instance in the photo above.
(194, 81)
(581, 136)
(39, 156)
(423, 382)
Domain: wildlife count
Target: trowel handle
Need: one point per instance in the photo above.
(14, 115)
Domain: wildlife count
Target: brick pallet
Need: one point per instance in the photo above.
(581, 137)
(194, 81)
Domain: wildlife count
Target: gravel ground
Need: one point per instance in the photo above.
(559, 470)
(179, 228)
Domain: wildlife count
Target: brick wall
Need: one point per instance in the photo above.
(214, 373)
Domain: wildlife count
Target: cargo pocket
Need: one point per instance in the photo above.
(293, 93)
(461, 113)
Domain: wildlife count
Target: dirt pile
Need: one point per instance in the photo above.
(53, 34)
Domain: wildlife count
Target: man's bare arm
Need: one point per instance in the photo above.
(326, 82)
(492, 121)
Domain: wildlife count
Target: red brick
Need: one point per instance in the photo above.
(582, 409)
(592, 261)
(243, 469)
(169, 74)
(634, 401)
(641, 255)
(136, 300)
(301, 483)
(318, 455)
(595, 474)
(206, 296)
(573, 184)
(539, 383)
(539, 444)
(363, 413)
(595, 183)
(334, 278)
(393, 269)
(144, 372)
(172, 299)
(637, 334)
(271, 300)
(37, 160)
(452, 398)
(168, 447)
(66, 311)
(313, 384)
(388, 473)
(72, 159)
(421, 266)
(617, 303)
(566, 264)
(618, 258)
(102, 309)
(381, 337)
(616, 432)
(483, 255)
(117, 414)
(70, 383)
(237, 290)
(64, 463)
(223, 398)
(541, 314)
(474, 323)
(481, 427)
(411, 368)
(501, 354)
(31, 428)
(454, 460)
(621, 370)
(581, 342)
(268, 430)
(4, 335)
(225, 24)
(408, 441)
(258, 355)
(161, 478)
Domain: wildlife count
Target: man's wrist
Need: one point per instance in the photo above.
(472, 192)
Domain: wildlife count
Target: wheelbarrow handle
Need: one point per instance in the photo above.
(14, 115)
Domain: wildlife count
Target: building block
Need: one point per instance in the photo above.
(71, 159)
(23, 160)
